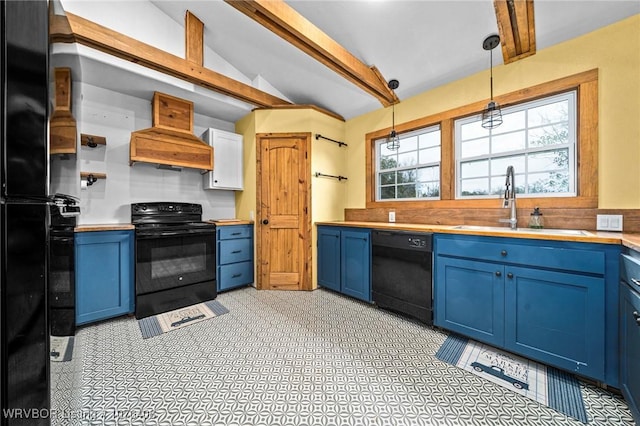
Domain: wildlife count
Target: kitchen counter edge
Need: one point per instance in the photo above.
(629, 240)
(105, 227)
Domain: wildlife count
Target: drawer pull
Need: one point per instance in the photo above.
(503, 253)
(636, 315)
(236, 251)
(509, 275)
(635, 281)
(236, 275)
(498, 274)
(236, 233)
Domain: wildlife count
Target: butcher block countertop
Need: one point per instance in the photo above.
(228, 222)
(104, 227)
(628, 240)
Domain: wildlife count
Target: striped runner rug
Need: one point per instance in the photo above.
(547, 385)
(168, 321)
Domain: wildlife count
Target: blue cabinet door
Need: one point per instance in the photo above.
(469, 298)
(355, 251)
(557, 318)
(329, 258)
(104, 275)
(630, 348)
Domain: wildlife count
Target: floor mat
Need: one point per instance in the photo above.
(547, 385)
(183, 317)
(61, 348)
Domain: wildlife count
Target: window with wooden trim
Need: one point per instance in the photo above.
(583, 178)
(537, 138)
(412, 172)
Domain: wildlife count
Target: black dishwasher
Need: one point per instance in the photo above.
(401, 272)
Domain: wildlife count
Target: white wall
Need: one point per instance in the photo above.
(113, 115)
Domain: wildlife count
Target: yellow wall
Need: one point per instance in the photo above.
(614, 50)
(328, 196)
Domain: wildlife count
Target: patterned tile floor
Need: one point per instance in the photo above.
(289, 358)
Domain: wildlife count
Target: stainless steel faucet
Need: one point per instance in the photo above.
(510, 199)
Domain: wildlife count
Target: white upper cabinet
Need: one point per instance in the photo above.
(227, 160)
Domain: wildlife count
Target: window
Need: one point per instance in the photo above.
(412, 171)
(549, 135)
(537, 138)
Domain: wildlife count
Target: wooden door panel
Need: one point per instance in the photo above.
(283, 190)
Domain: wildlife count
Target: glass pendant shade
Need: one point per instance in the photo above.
(491, 116)
(393, 141)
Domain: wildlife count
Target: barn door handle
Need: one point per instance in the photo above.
(265, 222)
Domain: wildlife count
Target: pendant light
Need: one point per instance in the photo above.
(393, 141)
(491, 116)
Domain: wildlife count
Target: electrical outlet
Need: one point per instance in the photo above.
(392, 216)
(609, 222)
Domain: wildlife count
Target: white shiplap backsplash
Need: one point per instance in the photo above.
(114, 115)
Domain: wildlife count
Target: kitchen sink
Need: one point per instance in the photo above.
(549, 231)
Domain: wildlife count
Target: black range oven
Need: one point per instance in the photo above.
(175, 257)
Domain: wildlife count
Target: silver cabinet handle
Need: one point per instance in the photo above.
(635, 281)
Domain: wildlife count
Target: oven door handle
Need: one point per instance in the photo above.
(148, 235)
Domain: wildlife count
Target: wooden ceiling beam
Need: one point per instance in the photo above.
(194, 39)
(75, 29)
(286, 22)
(516, 26)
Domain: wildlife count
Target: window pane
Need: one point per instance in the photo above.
(388, 163)
(550, 113)
(387, 192)
(510, 122)
(406, 191)
(408, 159)
(428, 190)
(384, 152)
(388, 178)
(549, 135)
(407, 176)
(508, 142)
(428, 174)
(408, 144)
(549, 160)
(473, 130)
(431, 155)
(475, 186)
(474, 169)
(474, 148)
(549, 182)
(499, 165)
(430, 139)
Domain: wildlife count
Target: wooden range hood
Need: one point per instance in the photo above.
(170, 141)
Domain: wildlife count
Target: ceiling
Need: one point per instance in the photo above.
(423, 44)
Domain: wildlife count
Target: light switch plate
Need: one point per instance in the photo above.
(392, 216)
(609, 222)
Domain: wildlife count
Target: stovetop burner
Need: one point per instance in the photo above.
(168, 218)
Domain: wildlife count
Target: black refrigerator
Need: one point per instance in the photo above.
(24, 336)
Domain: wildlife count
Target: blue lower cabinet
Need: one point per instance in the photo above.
(535, 298)
(329, 258)
(630, 332)
(344, 261)
(104, 275)
(556, 318)
(234, 256)
(469, 299)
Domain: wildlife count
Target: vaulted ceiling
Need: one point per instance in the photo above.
(339, 54)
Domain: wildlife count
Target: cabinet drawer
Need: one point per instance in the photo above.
(544, 255)
(232, 251)
(235, 275)
(231, 232)
(630, 270)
